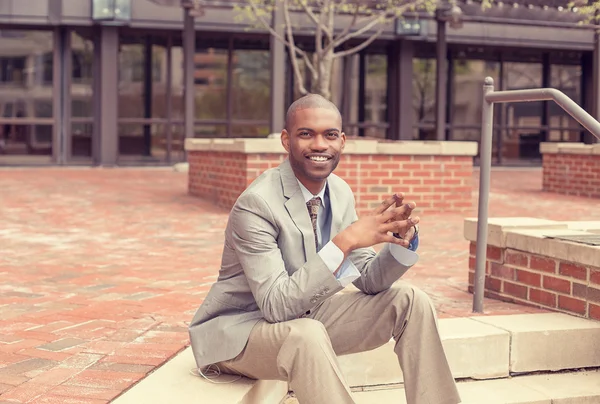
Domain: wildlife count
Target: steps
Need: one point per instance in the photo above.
(563, 388)
(485, 350)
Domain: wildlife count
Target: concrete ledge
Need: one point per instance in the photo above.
(566, 388)
(473, 349)
(491, 347)
(173, 383)
(532, 235)
(549, 341)
(568, 148)
(353, 146)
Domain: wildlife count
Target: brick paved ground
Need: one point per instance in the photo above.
(101, 269)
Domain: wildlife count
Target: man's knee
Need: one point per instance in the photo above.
(306, 332)
(413, 297)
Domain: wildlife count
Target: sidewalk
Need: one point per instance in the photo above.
(102, 269)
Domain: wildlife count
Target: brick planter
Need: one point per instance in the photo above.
(571, 168)
(524, 266)
(437, 175)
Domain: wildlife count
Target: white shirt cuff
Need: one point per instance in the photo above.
(333, 257)
(403, 255)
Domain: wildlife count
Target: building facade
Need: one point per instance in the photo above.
(78, 88)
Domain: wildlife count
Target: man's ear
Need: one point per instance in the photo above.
(285, 140)
(343, 137)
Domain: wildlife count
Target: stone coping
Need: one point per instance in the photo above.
(532, 235)
(353, 146)
(568, 148)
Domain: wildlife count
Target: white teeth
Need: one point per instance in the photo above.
(318, 158)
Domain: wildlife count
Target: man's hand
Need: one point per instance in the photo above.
(407, 233)
(376, 228)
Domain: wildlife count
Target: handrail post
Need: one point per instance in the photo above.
(485, 167)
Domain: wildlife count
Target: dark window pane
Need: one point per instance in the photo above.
(566, 78)
(251, 85)
(424, 75)
(211, 84)
(26, 84)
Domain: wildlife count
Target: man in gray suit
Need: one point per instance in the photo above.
(292, 242)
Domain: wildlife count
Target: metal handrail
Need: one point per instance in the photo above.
(487, 119)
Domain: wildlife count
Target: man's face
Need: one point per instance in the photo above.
(314, 142)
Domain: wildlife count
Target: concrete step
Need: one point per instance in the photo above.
(558, 388)
(492, 347)
(174, 383)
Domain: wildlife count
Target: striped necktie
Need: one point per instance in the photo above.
(313, 209)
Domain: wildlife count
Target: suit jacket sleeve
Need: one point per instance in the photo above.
(378, 271)
(279, 296)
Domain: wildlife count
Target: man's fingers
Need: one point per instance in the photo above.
(398, 226)
(387, 203)
(388, 238)
(403, 212)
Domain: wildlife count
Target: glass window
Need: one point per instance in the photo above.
(251, 86)
(466, 96)
(523, 120)
(568, 80)
(26, 82)
(424, 76)
(131, 76)
(211, 83)
(376, 95)
(82, 113)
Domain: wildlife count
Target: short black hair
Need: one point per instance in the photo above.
(306, 102)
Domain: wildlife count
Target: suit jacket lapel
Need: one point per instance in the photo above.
(296, 207)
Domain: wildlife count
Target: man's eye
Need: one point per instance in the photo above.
(333, 134)
(304, 134)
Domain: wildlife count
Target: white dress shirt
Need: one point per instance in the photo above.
(331, 253)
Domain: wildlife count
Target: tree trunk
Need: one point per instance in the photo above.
(322, 84)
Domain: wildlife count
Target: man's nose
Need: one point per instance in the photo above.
(319, 143)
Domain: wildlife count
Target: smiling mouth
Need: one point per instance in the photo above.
(319, 159)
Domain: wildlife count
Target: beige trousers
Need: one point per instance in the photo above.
(304, 351)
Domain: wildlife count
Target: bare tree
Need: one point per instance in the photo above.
(366, 22)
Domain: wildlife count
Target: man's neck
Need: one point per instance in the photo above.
(313, 187)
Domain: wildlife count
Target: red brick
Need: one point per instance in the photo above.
(573, 270)
(516, 258)
(594, 311)
(543, 264)
(545, 298)
(515, 290)
(557, 284)
(595, 276)
(573, 305)
(502, 271)
(529, 278)
(494, 253)
(493, 284)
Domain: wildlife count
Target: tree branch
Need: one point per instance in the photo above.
(376, 20)
(361, 46)
(305, 6)
(351, 25)
(292, 46)
(294, 50)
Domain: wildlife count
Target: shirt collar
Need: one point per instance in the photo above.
(308, 195)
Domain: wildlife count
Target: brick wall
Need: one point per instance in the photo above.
(572, 174)
(521, 277)
(436, 183)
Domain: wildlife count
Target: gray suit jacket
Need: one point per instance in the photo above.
(270, 267)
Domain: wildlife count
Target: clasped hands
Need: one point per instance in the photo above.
(393, 216)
